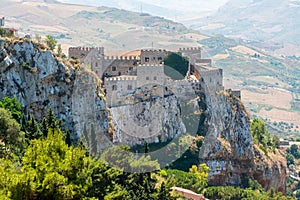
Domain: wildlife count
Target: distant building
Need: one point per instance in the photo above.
(2, 21)
(284, 143)
(188, 193)
(12, 31)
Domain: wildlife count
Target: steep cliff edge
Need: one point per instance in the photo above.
(229, 151)
(40, 81)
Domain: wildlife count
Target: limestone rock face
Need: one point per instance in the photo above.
(228, 149)
(147, 118)
(271, 170)
(39, 81)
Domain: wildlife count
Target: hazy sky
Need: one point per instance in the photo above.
(182, 8)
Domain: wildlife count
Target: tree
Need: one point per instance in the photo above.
(187, 180)
(51, 42)
(261, 135)
(13, 106)
(59, 49)
(164, 194)
(38, 38)
(11, 136)
(52, 170)
(290, 159)
(294, 149)
(201, 172)
(276, 141)
(32, 129)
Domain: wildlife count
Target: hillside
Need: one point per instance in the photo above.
(171, 9)
(269, 22)
(270, 85)
(75, 25)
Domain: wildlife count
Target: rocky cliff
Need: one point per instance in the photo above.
(147, 115)
(229, 151)
(40, 81)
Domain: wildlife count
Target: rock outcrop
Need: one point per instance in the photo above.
(39, 81)
(147, 116)
(228, 149)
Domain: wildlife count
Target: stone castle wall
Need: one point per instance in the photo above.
(210, 78)
(82, 52)
(115, 66)
(117, 88)
(192, 53)
(153, 56)
(150, 74)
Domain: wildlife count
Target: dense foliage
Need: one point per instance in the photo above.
(176, 66)
(51, 42)
(38, 162)
(262, 137)
(231, 193)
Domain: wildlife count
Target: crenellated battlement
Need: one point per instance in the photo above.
(191, 52)
(113, 58)
(86, 49)
(122, 78)
(153, 50)
(82, 52)
(151, 65)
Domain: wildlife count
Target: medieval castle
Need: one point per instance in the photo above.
(123, 75)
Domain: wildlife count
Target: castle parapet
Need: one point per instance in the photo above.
(191, 52)
(121, 78)
(152, 65)
(204, 61)
(82, 52)
(154, 50)
(112, 58)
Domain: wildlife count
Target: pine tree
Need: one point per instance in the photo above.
(44, 127)
(51, 119)
(163, 192)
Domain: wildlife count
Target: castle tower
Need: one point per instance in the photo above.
(150, 56)
(192, 52)
(83, 52)
(150, 74)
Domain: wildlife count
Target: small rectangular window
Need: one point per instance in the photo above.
(155, 78)
(129, 87)
(113, 68)
(146, 59)
(114, 87)
(147, 78)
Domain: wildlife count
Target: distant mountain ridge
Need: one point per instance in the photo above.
(171, 9)
(74, 25)
(260, 20)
